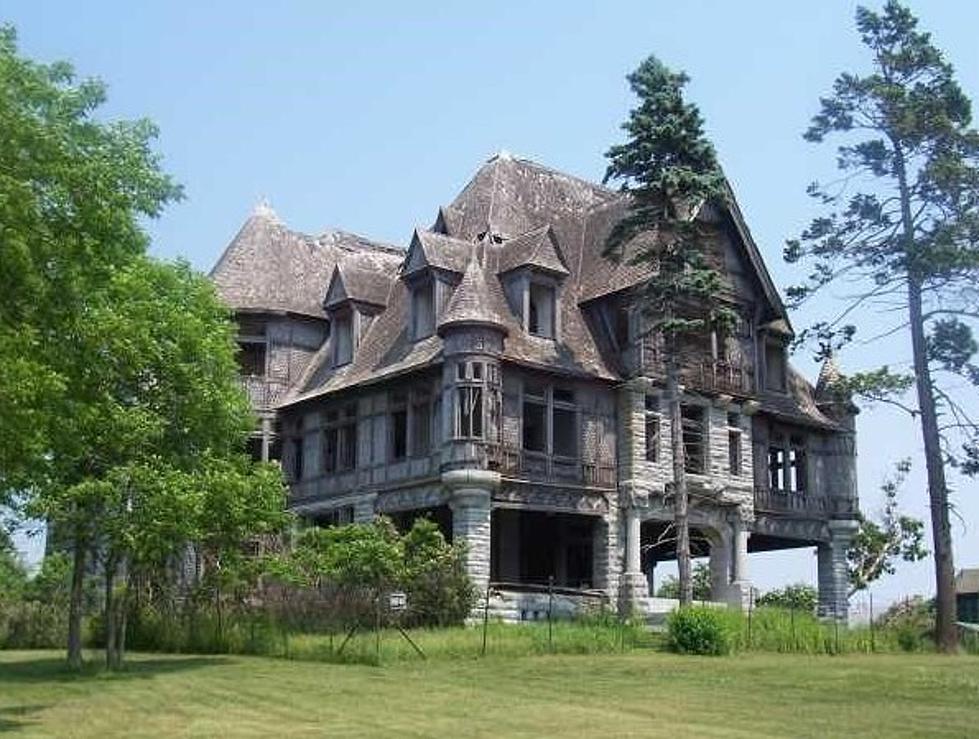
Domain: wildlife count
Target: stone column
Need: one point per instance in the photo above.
(634, 585)
(470, 502)
(834, 582)
(739, 591)
(720, 566)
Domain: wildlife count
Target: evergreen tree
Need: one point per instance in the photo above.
(902, 226)
(670, 171)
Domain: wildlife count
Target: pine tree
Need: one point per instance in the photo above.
(902, 227)
(669, 170)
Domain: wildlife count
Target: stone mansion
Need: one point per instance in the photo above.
(495, 376)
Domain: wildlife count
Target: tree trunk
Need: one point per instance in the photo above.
(946, 634)
(75, 604)
(680, 498)
(122, 611)
(109, 614)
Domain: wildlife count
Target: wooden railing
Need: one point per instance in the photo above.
(263, 392)
(521, 463)
(716, 376)
(821, 506)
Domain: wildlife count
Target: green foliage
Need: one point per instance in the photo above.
(73, 189)
(13, 577)
(439, 590)
(798, 597)
(703, 630)
(52, 582)
(701, 584)
(896, 537)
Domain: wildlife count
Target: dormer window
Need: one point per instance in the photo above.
(423, 309)
(342, 329)
(775, 367)
(542, 310)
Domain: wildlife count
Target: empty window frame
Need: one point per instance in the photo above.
(541, 310)
(653, 427)
(775, 372)
(535, 418)
(787, 466)
(340, 440)
(470, 395)
(397, 426)
(564, 423)
(734, 448)
(251, 358)
(421, 421)
(343, 339)
(423, 309)
(694, 426)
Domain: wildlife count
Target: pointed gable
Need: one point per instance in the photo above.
(535, 248)
(429, 249)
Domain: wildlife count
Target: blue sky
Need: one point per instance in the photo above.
(368, 116)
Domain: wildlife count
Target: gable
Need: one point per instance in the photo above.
(337, 292)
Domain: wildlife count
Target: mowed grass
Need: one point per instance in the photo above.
(639, 693)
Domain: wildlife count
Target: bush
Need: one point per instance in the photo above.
(33, 625)
(703, 630)
(798, 597)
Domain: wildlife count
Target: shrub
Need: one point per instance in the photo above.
(703, 630)
(798, 597)
(700, 581)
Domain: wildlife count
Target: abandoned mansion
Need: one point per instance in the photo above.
(495, 376)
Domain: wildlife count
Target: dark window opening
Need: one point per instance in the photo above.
(534, 426)
(797, 466)
(775, 367)
(694, 427)
(653, 419)
(337, 517)
(297, 459)
(399, 434)
(254, 448)
(565, 432)
(423, 309)
(343, 347)
(734, 452)
(540, 321)
(421, 424)
(251, 359)
(776, 468)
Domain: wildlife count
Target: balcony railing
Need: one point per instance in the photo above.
(822, 506)
(712, 375)
(263, 392)
(521, 463)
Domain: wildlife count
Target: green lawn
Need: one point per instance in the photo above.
(649, 693)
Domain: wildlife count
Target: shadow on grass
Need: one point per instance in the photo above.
(54, 669)
(11, 717)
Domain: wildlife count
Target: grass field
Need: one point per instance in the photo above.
(647, 693)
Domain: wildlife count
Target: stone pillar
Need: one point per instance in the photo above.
(634, 585)
(720, 566)
(470, 501)
(834, 582)
(739, 591)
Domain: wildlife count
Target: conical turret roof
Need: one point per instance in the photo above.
(472, 303)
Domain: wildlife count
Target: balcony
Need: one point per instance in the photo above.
(719, 376)
(803, 505)
(515, 462)
(263, 392)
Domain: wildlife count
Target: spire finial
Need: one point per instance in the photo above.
(263, 209)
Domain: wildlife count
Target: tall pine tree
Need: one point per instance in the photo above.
(669, 170)
(902, 226)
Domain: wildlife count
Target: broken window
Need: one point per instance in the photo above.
(653, 419)
(564, 422)
(787, 469)
(340, 440)
(470, 412)
(251, 358)
(535, 418)
(734, 443)
(622, 332)
(421, 422)
(398, 420)
(541, 310)
(694, 425)
(775, 367)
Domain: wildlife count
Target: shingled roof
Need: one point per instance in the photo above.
(473, 302)
(270, 268)
(514, 213)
